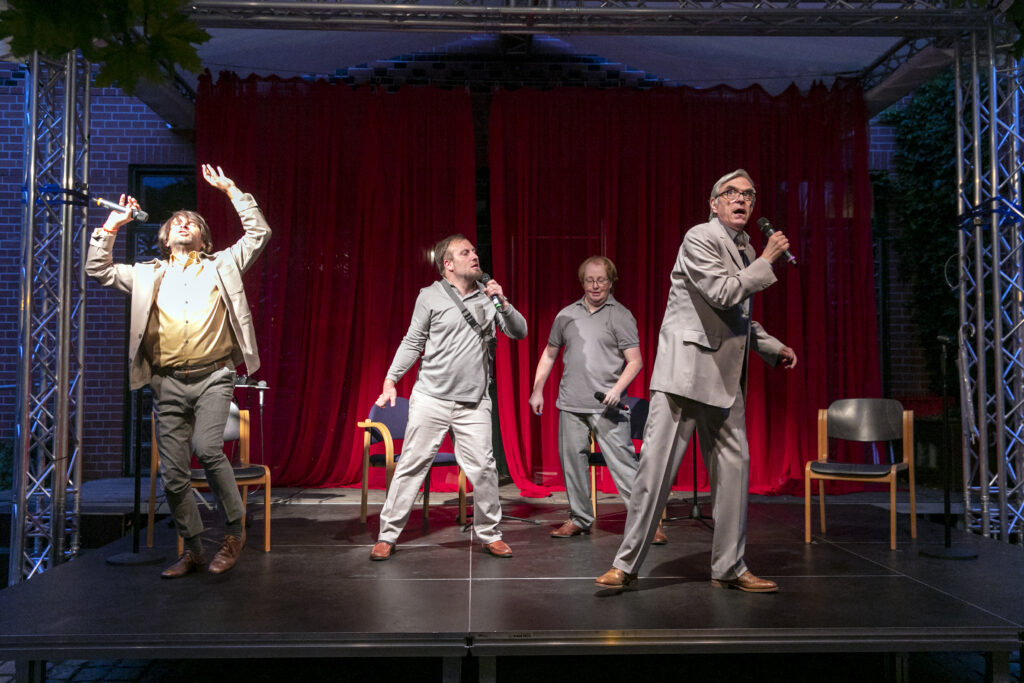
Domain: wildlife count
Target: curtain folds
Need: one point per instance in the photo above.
(581, 172)
(357, 185)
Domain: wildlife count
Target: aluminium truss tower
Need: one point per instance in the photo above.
(47, 470)
(991, 287)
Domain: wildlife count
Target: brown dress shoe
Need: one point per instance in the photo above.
(659, 536)
(616, 579)
(381, 551)
(747, 582)
(186, 564)
(568, 530)
(498, 548)
(228, 554)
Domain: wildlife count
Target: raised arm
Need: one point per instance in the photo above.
(257, 231)
(99, 261)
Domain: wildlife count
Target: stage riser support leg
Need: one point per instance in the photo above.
(30, 671)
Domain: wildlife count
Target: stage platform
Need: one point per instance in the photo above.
(442, 600)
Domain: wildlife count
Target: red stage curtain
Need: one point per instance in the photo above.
(356, 185)
(579, 172)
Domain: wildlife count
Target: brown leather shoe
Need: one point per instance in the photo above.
(228, 554)
(659, 536)
(568, 530)
(186, 564)
(498, 548)
(747, 582)
(381, 551)
(616, 579)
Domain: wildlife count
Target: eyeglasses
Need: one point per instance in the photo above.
(732, 194)
(600, 282)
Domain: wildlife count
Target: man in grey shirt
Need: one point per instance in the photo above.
(450, 391)
(602, 355)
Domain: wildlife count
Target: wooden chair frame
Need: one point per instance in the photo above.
(389, 471)
(906, 464)
(243, 482)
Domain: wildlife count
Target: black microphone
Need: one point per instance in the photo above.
(484, 279)
(599, 395)
(767, 230)
(136, 214)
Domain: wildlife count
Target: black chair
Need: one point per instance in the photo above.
(387, 425)
(863, 420)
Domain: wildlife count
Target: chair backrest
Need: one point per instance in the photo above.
(865, 419)
(394, 418)
(638, 410)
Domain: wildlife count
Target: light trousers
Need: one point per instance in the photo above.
(430, 419)
(722, 435)
(611, 431)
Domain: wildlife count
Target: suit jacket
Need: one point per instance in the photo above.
(707, 329)
(142, 279)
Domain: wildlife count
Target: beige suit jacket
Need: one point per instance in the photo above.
(707, 331)
(141, 281)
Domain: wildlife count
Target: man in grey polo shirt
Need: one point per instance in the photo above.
(602, 355)
(450, 391)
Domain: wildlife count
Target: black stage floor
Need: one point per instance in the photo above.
(316, 595)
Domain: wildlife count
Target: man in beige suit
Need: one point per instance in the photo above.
(698, 381)
(190, 327)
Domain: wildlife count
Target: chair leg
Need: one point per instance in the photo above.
(366, 490)
(892, 512)
(593, 491)
(266, 517)
(807, 508)
(913, 507)
(821, 500)
(426, 495)
(462, 497)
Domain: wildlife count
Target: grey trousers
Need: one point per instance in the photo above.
(429, 420)
(611, 430)
(187, 411)
(722, 435)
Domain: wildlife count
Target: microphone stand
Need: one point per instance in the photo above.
(695, 508)
(947, 552)
(136, 556)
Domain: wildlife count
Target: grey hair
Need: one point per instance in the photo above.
(738, 173)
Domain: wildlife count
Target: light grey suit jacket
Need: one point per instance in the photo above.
(142, 279)
(707, 330)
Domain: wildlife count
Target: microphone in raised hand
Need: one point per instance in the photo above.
(136, 214)
(767, 230)
(484, 279)
(599, 395)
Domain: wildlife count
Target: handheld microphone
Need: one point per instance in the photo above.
(484, 279)
(767, 230)
(136, 214)
(599, 395)
(262, 387)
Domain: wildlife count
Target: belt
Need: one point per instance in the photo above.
(187, 372)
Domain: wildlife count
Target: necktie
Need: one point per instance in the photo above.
(740, 246)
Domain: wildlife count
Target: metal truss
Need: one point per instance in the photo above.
(991, 291)
(45, 500)
(902, 18)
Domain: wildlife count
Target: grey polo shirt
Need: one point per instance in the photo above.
(593, 359)
(455, 363)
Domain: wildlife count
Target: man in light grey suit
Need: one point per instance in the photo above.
(698, 382)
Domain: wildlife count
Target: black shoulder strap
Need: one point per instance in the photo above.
(470, 320)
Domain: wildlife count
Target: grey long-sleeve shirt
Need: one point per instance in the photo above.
(454, 365)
